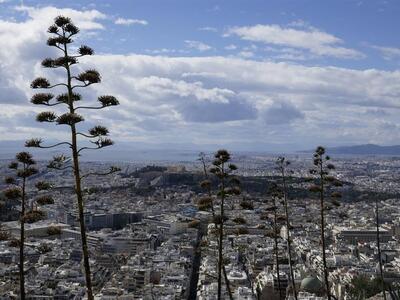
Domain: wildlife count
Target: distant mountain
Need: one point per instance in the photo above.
(140, 152)
(122, 151)
(367, 149)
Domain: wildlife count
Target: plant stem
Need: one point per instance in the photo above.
(322, 209)
(221, 234)
(278, 276)
(228, 287)
(22, 239)
(78, 187)
(289, 246)
(378, 243)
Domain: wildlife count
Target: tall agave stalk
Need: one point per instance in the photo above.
(321, 170)
(378, 244)
(282, 164)
(24, 167)
(209, 203)
(63, 31)
(276, 194)
(228, 186)
(378, 240)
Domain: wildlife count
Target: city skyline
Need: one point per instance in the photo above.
(262, 76)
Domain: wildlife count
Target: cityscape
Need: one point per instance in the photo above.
(219, 183)
(148, 239)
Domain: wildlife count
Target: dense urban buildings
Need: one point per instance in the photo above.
(149, 240)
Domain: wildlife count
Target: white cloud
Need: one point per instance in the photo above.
(309, 97)
(288, 54)
(208, 28)
(300, 23)
(85, 20)
(230, 47)
(158, 87)
(246, 54)
(313, 40)
(388, 53)
(197, 45)
(22, 44)
(281, 112)
(236, 100)
(160, 51)
(127, 22)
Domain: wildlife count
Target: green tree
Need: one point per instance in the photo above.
(364, 287)
(322, 184)
(63, 31)
(282, 164)
(24, 167)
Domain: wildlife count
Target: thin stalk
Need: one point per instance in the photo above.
(78, 186)
(278, 276)
(228, 287)
(288, 240)
(221, 234)
(322, 209)
(22, 240)
(378, 243)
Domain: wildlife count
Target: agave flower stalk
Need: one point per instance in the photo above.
(282, 164)
(62, 33)
(24, 167)
(228, 186)
(323, 181)
(209, 203)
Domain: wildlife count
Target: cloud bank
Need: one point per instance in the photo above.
(207, 100)
(317, 42)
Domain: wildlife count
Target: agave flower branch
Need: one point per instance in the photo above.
(37, 143)
(109, 172)
(100, 143)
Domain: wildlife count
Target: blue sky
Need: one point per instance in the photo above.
(358, 23)
(170, 23)
(251, 75)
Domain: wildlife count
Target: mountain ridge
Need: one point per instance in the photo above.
(364, 149)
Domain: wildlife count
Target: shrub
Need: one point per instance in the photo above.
(44, 200)
(194, 224)
(44, 248)
(34, 216)
(53, 230)
(239, 220)
(4, 235)
(15, 243)
(246, 205)
(242, 230)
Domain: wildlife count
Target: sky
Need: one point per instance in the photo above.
(254, 75)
